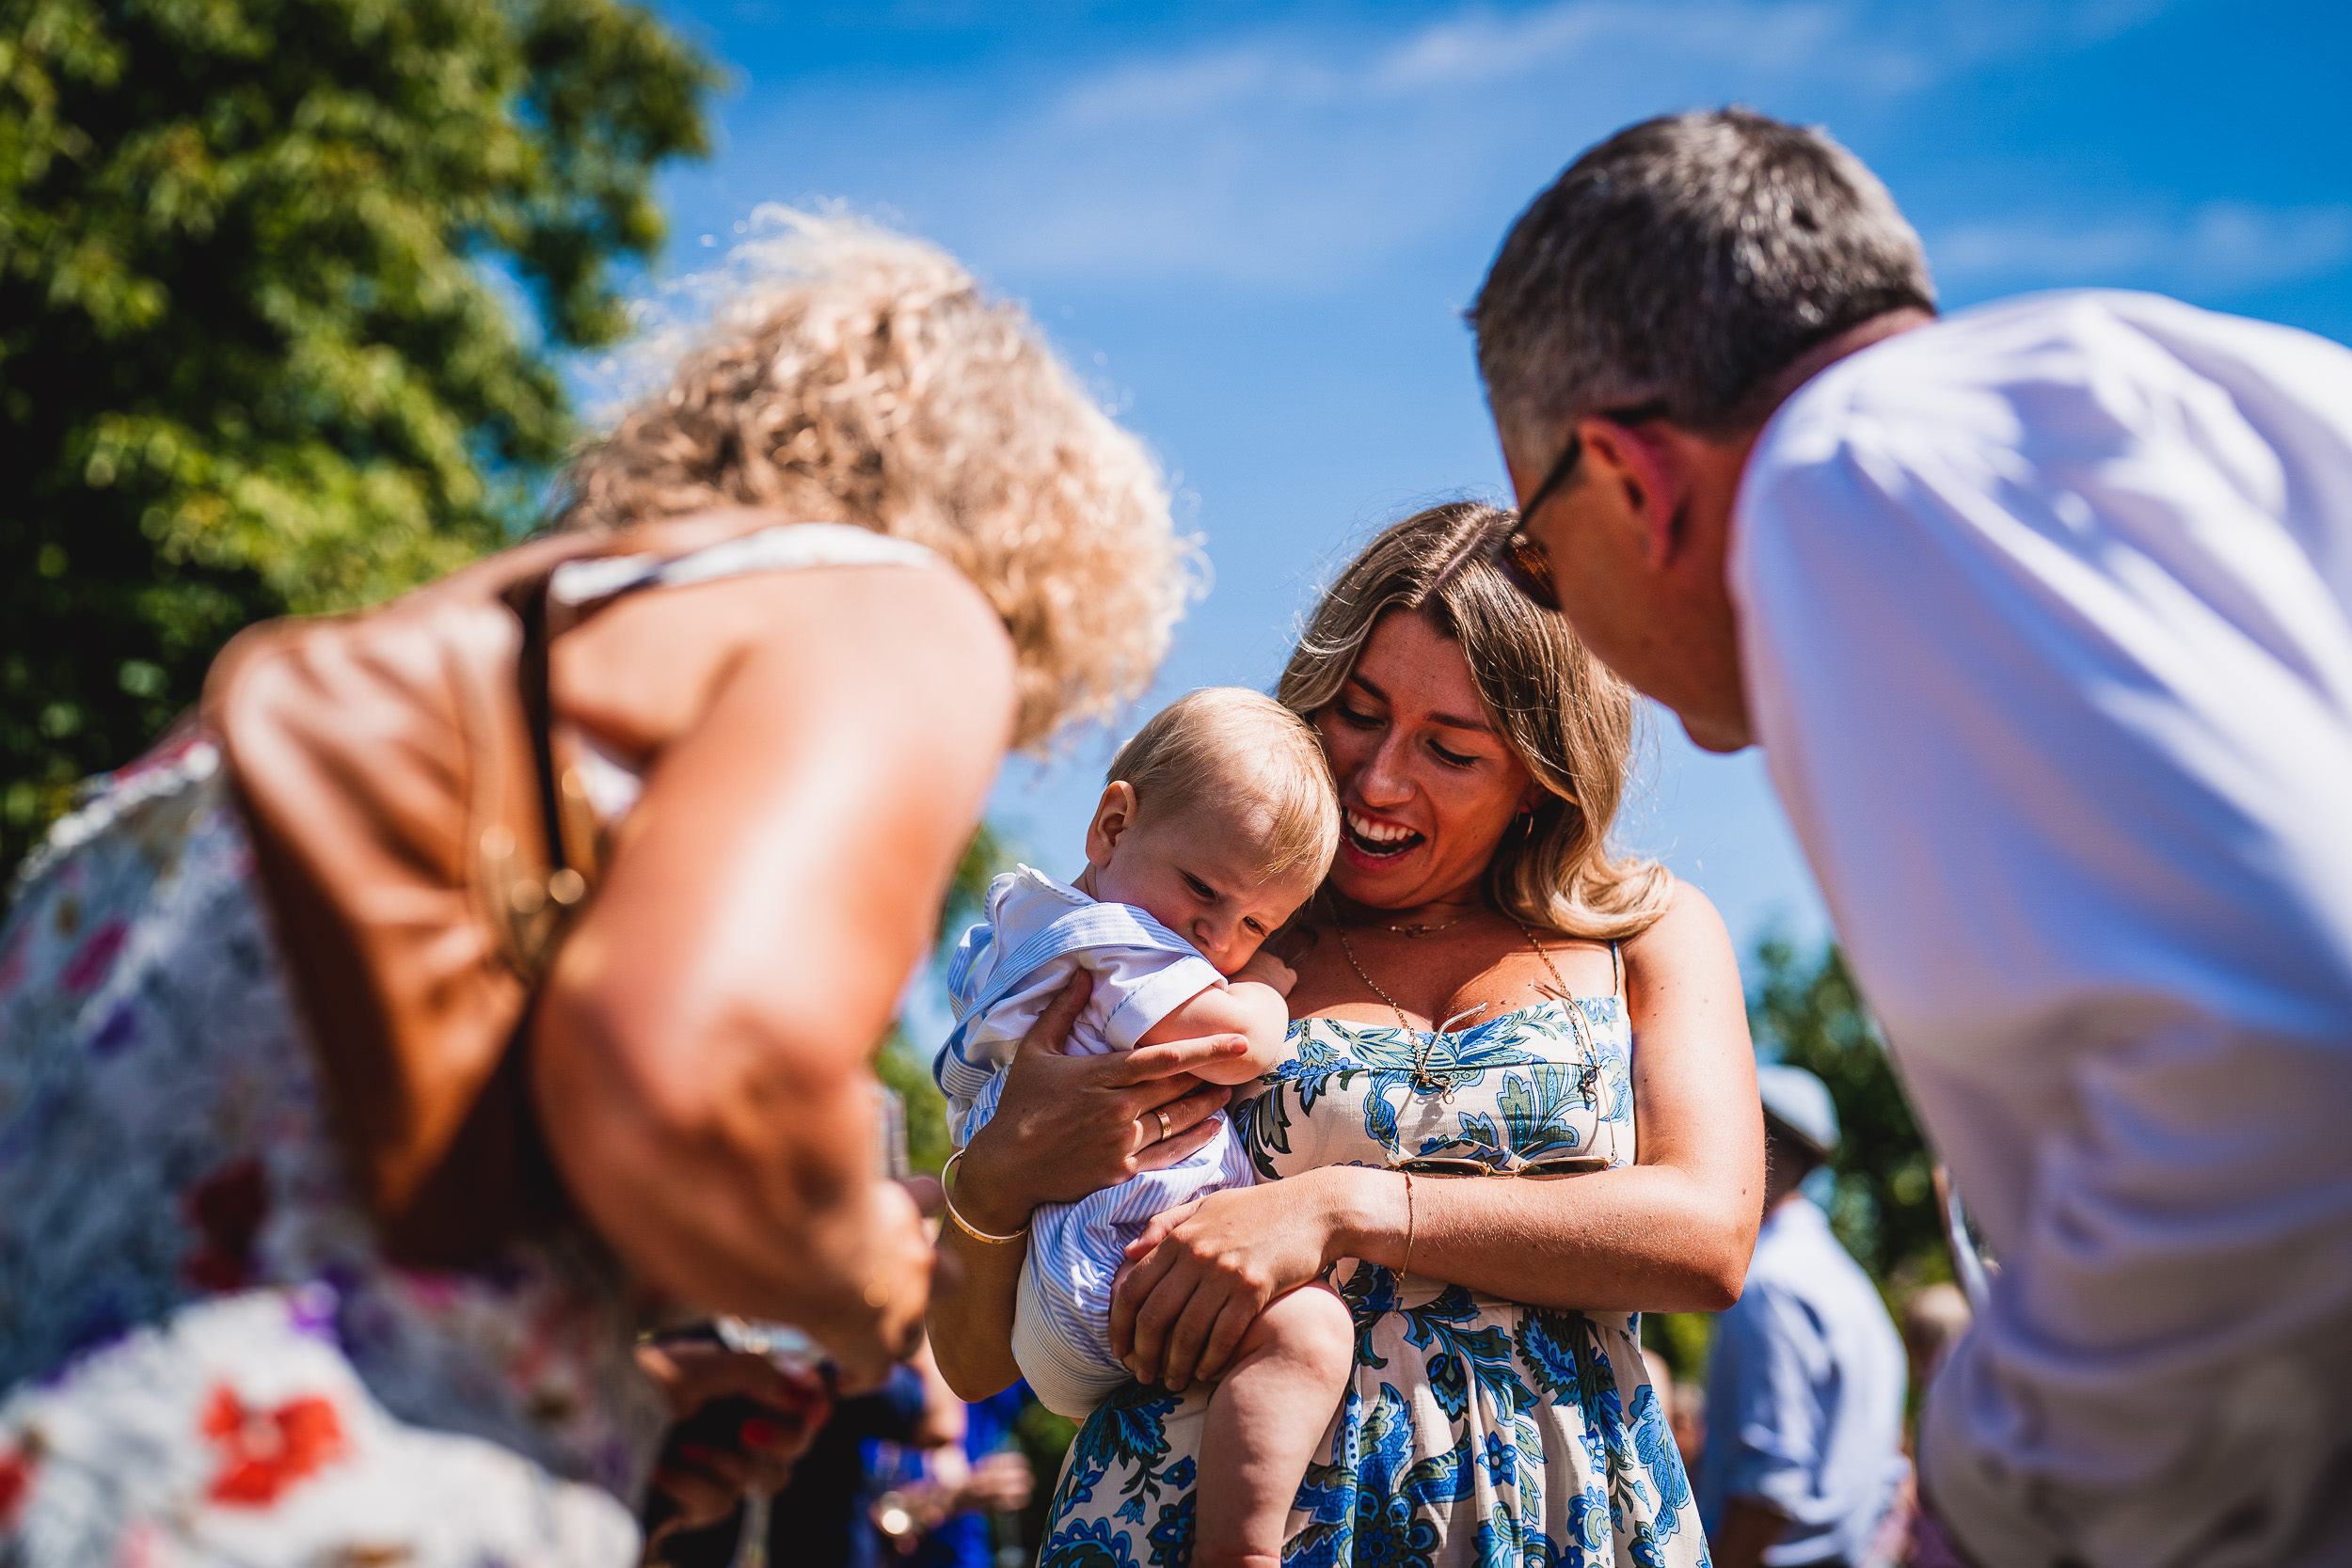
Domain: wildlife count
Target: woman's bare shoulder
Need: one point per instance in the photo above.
(1690, 936)
(644, 672)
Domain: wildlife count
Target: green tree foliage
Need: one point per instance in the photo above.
(1682, 1340)
(1807, 1013)
(256, 354)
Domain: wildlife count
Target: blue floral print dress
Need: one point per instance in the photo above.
(1477, 1430)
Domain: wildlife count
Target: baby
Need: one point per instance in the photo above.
(1218, 821)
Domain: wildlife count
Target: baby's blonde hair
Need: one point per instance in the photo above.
(1225, 737)
(861, 376)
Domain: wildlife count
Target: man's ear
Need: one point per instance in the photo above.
(1641, 464)
(1114, 814)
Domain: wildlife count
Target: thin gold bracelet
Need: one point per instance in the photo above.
(966, 1225)
(1408, 1222)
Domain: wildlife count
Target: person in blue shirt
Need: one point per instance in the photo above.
(1804, 1394)
(995, 1480)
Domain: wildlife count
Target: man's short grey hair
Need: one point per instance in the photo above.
(1682, 262)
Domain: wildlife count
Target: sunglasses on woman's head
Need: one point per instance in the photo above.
(1520, 557)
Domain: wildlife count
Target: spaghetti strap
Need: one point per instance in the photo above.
(579, 589)
(582, 586)
(1616, 970)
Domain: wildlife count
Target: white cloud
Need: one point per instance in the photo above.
(1867, 45)
(2220, 248)
(1295, 160)
(1480, 48)
(1180, 89)
(1474, 48)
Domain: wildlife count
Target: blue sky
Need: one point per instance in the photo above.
(1254, 226)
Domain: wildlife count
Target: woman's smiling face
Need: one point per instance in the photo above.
(1427, 785)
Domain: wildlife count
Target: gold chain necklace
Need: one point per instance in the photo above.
(1423, 1080)
(1425, 930)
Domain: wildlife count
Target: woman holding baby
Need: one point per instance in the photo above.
(1469, 1145)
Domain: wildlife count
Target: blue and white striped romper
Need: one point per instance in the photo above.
(1038, 932)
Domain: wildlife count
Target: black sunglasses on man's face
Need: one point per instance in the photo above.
(1522, 560)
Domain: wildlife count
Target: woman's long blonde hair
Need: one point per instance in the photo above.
(1569, 717)
(863, 377)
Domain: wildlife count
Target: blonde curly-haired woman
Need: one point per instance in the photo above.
(870, 534)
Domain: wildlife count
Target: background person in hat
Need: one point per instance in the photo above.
(1804, 1394)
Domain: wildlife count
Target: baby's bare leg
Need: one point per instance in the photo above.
(1269, 1411)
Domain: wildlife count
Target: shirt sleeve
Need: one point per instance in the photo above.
(1135, 988)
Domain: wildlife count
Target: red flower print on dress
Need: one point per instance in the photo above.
(227, 1209)
(16, 1481)
(262, 1452)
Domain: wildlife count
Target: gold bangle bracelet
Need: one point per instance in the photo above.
(1408, 1222)
(958, 1221)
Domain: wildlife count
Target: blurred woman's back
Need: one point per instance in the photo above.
(780, 735)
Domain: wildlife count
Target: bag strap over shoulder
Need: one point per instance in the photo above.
(390, 773)
(424, 848)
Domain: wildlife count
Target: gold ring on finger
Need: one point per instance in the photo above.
(1167, 1128)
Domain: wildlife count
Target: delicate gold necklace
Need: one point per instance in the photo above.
(1423, 1081)
(1424, 930)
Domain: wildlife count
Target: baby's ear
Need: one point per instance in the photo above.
(1114, 814)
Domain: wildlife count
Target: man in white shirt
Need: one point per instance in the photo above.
(2043, 615)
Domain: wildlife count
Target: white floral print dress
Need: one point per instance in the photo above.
(205, 1359)
(1477, 1430)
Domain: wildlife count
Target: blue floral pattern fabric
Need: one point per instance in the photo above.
(1477, 1431)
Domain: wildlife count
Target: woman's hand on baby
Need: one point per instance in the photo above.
(1201, 1272)
(1069, 1126)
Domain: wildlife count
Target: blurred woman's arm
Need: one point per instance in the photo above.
(702, 1053)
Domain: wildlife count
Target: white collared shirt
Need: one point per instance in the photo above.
(2047, 620)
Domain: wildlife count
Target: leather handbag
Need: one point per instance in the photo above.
(421, 854)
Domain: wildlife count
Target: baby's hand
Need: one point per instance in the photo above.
(1268, 970)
